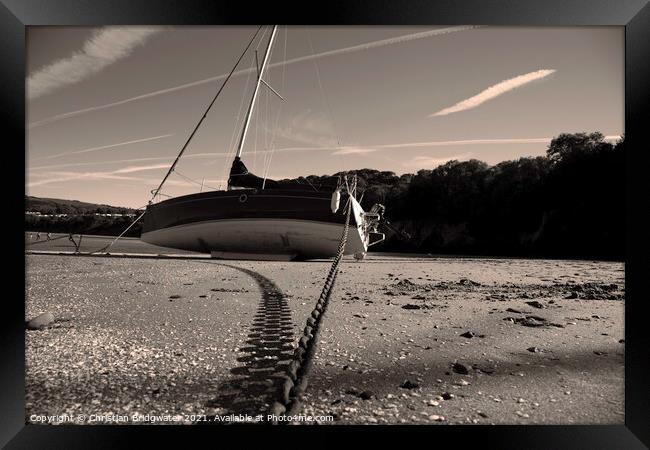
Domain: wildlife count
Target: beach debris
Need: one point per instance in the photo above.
(364, 395)
(468, 282)
(471, 334)
(621, 341)
(597, 353)
(447, 396)
(411, 306)
(460, 368)
(41, 321)
(485, 370)
(405, 284)
(408, 384)
(536, 304)
(174, 297)
(532, 321)
(516, 311)
(534, 349)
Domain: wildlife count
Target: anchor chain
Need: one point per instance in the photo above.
(297, 371)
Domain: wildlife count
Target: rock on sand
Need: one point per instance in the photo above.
(40, 321)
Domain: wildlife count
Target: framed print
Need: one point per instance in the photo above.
(421, 216)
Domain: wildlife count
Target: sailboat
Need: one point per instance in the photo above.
(263, 219)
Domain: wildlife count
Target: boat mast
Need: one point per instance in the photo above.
(249, 113)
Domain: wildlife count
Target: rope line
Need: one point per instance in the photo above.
(156, 191)
(105, 249)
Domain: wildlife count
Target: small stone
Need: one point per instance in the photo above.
(447, 396)
(411, 306)
(460, 368)
(436, 418)
(536, 304)
(408, 384)
(468, 334)
(366, 395)
(41, 321)
(533, 349)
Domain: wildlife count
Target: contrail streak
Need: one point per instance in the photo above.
(95, 149)
(340, 51)
(494, 91)
(106, 46)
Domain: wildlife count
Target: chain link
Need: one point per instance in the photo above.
(295, 380)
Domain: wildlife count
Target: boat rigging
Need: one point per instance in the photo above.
(256, 217)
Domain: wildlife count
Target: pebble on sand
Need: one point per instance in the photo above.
(411, 306)
(408, 384)
(41, 321)
(536, 304)
(460, 368)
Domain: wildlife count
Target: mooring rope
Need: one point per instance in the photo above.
(105, 249)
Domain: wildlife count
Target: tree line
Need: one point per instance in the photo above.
(568, 203)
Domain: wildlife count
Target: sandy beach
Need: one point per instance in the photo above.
(405, 340)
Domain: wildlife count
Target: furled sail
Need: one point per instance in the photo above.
(241, 178)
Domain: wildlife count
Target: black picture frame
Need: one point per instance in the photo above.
(634, 15)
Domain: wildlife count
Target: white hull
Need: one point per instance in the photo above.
(259, 238)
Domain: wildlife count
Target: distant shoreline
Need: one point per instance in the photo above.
(391, 254)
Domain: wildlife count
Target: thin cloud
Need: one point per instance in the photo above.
(349, 150)
(111, 175)
(354, 151)
(107, 46)
(142, 168)
(103, 147)
(341, 51)
(495, 91)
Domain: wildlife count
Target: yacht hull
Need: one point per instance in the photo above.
(255, 224)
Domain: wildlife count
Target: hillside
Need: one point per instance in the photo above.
(71, 207)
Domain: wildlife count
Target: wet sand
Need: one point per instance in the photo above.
(392, 349)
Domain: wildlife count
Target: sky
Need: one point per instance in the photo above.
(109, 108)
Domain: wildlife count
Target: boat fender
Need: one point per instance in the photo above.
(336, 199)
